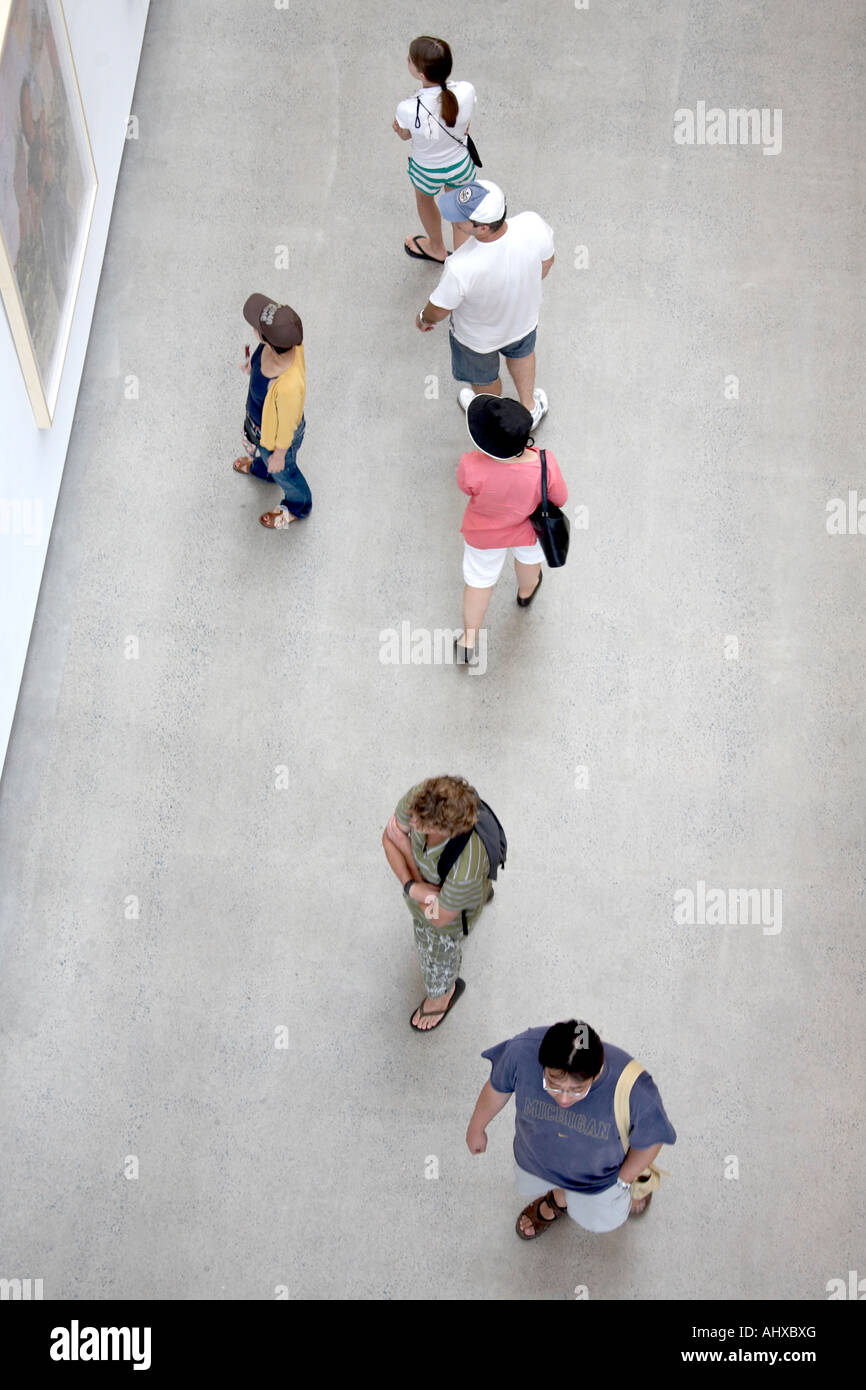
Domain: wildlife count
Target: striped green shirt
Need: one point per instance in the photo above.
(465, 888)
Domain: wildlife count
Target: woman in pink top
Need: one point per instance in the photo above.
(503, 481)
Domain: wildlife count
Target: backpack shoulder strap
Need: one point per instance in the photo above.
(451, 853)
(491, 835)
(621, 1109)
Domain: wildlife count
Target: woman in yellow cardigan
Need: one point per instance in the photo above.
(274, 426)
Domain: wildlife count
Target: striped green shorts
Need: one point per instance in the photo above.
(433, 181)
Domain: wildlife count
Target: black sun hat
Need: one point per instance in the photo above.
(498, 426)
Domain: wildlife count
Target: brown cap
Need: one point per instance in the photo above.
(278, 324)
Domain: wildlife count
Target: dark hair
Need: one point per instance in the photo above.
(573, 1047)
(433, 58)
(492, 226)
(273, 347)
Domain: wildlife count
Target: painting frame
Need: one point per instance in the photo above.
(48, 189)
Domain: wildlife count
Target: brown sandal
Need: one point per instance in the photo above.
(533, 1213)
(278, 520)
(242, 465)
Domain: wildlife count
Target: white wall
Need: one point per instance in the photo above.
(106, 38)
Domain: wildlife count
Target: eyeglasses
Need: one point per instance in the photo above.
(560, 1090)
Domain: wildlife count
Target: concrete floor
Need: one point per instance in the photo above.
(261, 908)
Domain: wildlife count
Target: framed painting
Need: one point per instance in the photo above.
(47, 191)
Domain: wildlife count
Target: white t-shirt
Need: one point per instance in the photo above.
(430, 145)
(494, 287)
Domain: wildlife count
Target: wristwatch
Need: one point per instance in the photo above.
(407, 885)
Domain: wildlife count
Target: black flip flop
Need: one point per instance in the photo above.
(459, 987)
(420, 255)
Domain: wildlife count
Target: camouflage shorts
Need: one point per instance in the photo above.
(440, 949)
(441, 953)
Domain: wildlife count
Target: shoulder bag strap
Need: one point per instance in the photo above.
(543, 482)
(437, 120)
(621, 1109)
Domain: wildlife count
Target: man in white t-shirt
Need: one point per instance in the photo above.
(491, 287)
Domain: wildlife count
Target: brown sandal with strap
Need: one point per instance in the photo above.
(533, 1214)
(278, 520)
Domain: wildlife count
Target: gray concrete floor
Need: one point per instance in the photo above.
(262, 908)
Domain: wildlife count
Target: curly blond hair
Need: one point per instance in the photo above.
(446, 804)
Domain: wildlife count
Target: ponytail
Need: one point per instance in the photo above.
(450, 106)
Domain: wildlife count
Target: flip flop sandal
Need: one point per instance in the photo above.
(419, 255)
(541, 1223)
(242, 465)
(459, 987)
(277, 521)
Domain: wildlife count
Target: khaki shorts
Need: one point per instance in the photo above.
(594, 1211)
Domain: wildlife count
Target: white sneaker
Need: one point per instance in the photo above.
(465, 396)
(541, 407)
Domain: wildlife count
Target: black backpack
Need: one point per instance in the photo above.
(489, 830)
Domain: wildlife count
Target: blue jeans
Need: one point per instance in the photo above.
(297, 497)
(483, 367)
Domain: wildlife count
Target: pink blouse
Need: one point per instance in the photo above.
(502, 496)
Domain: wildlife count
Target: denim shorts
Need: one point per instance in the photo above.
(482, 368)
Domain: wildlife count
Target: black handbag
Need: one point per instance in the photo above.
(550, 524)
(251, 430)
(470, 145)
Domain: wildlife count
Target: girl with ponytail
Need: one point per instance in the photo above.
(436, 120)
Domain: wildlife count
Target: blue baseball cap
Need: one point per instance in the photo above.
(474, 202)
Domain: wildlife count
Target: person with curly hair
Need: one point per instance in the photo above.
(426, 818)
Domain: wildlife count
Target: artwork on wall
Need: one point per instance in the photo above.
(47, 191)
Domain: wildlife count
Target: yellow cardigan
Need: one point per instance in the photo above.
(284, 404)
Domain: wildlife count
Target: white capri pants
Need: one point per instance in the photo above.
(594, 1211)
(482, 568)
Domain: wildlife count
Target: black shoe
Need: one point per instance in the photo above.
(489, 898)
(464, 656)
(525, 602)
